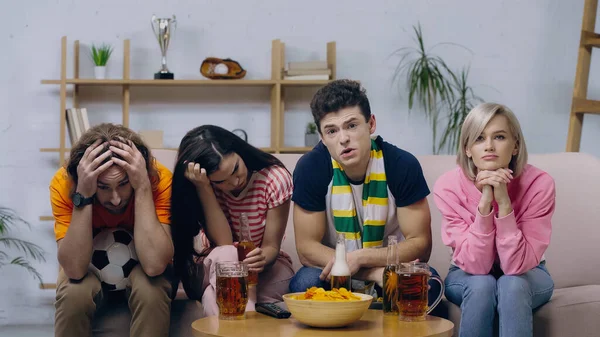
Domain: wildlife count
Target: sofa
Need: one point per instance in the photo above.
(572, 258)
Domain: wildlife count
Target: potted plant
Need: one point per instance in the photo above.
(100, 55)
(8, 219)
(443, 95)
(311, 138)
(463, 101)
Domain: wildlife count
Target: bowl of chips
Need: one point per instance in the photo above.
(322, 308)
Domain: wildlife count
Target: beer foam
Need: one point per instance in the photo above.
(340, 266)
(340, 269)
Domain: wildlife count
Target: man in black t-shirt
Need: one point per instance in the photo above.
(360, 185)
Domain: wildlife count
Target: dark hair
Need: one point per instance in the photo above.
(206, 145)
(338, 95)
(106, 132)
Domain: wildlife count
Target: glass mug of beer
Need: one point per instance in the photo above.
(413, 279)
(232, 290)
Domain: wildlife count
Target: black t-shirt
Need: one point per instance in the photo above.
(313, 177)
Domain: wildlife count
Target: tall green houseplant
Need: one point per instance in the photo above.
(444, 96)
(426, 80)
(9, 219)
(464, 99)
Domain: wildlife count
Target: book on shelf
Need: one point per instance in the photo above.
(308, 65)
(77, 123)
(308, 72)
(84, 118)
(306, 77)
(71, 120)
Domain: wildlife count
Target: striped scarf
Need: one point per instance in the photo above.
(374, 200)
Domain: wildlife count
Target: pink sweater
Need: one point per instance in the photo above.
(517, 241)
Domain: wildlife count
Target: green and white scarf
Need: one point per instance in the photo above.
(374, 200)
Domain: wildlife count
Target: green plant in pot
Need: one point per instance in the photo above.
(444, 96)
(8, 220)
(463, 101)
(311, 137)
(100, 56)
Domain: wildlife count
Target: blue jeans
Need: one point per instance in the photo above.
(307, 277)
(514, 297)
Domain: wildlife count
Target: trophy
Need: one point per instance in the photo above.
(163, 29)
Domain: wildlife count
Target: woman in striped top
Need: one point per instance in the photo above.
(218, 176)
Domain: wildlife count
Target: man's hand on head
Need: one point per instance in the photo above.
(133, 162)
(90, 167)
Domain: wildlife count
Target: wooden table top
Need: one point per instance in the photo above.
(373, 323)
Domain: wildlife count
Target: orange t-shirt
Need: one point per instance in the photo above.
(61, 188)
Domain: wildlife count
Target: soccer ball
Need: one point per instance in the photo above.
(113, 258)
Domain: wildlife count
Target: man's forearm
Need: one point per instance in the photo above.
(370, 274)
(407, 250)
(315, 254)
(153, 245)
(415, 248)
(373, 261)
(75, 249)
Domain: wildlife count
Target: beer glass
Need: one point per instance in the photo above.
(413, 278)
(232, 290)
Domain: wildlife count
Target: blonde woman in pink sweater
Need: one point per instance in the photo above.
(496, 217)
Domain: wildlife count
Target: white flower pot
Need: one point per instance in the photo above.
(100, 72)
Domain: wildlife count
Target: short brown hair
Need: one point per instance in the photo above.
(106, 132)
(337, 95)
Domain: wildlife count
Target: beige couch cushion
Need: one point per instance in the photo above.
(571, 312)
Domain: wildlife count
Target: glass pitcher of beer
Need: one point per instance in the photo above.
(232, 290)
(413, 279)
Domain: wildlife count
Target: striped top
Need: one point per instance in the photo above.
(267, 189)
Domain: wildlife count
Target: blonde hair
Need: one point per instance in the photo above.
(473, 126)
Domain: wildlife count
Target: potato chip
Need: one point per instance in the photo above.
(320, 294)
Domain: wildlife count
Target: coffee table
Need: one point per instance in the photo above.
(373, 323)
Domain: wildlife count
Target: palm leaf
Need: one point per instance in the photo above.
(458, 108)
(30, 249)
(21, 262)
(433, 86)
(8, 219)
(426, 79)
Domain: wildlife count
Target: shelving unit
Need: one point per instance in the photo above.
(275, 83)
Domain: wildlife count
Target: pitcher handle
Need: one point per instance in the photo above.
(439, 298)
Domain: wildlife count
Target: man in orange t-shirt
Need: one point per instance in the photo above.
(112, 180)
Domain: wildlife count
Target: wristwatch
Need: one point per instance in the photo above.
(79, 200)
